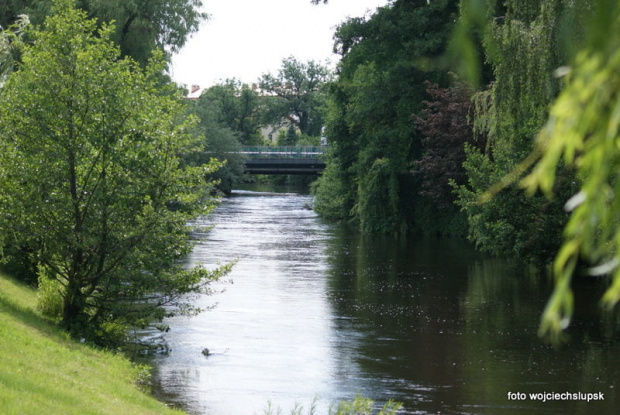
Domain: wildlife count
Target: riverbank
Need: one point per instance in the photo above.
(42, 371)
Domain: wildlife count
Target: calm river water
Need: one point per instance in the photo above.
(316, 311)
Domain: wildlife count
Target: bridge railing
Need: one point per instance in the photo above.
(280, 152)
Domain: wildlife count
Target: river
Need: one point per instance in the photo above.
(315, 311)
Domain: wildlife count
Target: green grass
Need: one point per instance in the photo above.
(42, 371)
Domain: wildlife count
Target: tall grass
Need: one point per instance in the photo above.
(360, 405)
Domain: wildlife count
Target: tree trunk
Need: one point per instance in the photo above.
(304, 121)
(74, 318)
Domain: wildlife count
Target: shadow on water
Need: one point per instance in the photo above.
(447, 330)
(316, 309)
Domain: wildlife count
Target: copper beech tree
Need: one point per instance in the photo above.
(446, 131)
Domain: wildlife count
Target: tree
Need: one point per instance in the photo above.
(237, 107)
(91, 182)
(298, 90)
(139, 26)
(143, 26)
(288, 137)
(446, 131)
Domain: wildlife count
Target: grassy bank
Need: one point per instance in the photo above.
(42, 371)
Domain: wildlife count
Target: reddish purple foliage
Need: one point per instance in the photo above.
(445, 126)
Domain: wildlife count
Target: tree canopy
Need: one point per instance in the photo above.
(139, 26)
(237, 107)
(298, 91)
(444, 124)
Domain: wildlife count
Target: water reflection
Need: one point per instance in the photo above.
(317, 310)
(270, 332)
(448, 331)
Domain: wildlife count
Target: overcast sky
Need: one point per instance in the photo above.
(245, 38)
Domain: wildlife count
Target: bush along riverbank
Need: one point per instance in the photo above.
(43, 371)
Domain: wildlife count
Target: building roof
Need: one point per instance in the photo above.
(194, 92)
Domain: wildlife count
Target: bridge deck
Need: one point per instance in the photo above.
(284, 160)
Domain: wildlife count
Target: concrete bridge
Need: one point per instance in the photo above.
(284, 160)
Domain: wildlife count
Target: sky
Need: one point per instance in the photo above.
(244, 39)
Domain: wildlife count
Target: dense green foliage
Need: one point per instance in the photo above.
(297, 93)
(237, 107)
(92, 188)
(374, 142)
(139, 27)
(524, 52)
(288, 137)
